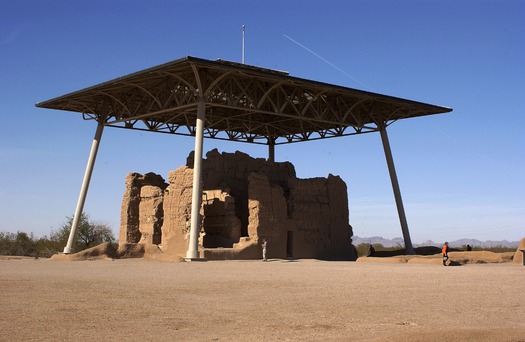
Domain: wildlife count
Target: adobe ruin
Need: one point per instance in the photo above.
(244, 200)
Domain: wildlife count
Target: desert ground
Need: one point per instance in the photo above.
(278, 300)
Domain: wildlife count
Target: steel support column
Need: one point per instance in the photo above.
(84, 189)
(397, 191)
(271, 150)
(193, 248)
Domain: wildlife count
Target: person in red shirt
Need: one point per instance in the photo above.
(444, 251)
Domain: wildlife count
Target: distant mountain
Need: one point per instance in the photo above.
(488, 243)
(356, 240)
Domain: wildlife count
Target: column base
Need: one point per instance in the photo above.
(188, 259)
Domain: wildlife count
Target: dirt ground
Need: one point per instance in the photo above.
(278, 300)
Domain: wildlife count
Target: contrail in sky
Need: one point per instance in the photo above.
(472, 150)
(326, 61)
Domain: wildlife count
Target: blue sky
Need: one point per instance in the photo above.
(462, 174)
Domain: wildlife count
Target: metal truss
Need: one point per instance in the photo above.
(243, 103)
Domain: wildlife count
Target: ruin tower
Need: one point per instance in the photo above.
(244, 200)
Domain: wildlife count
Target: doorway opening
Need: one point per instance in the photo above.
(289, 244)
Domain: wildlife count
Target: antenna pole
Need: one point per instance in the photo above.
(242, 44)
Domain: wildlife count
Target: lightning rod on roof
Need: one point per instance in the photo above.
(242, 59)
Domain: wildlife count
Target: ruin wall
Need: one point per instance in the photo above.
(244, 200)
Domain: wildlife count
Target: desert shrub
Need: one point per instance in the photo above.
(88, 234)
(495, 249)
(362, 249)
(6, 243)
(20, 244)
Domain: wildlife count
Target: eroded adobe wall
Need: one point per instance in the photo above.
(318, 210)
(267, 208)
(230, 172)
(129, 212)
(244, 200)
(177, 211)
(310, 222)
(221, 227)
(141, 214)
(151, 214)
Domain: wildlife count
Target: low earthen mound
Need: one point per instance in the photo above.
(455, 258)
(106, 251)
(131, 250)
(146, 251)
(103, 251)
(518, 255)
(480, 257)
(391, 260)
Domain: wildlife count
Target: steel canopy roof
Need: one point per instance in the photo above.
(243, 103)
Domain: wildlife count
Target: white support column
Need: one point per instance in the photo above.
(397, 192)
(84, 189)
(193, 251)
